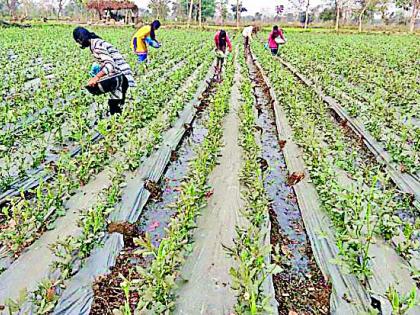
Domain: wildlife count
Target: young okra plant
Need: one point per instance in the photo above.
(249, 250)
(95, 156)
(94, 220)
(402, 304)
(354, 189)
(158, 279)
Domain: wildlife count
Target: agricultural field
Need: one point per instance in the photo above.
(286, 185)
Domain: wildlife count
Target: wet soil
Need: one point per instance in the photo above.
(155, 218)
(107, 289)
(301, 287)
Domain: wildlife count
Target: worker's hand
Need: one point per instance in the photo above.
(93, 81)
(230, 50)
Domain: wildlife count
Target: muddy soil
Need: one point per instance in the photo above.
(301, 287)
(108, 293)
(155, 218)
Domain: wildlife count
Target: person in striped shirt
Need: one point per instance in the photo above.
(111, 62)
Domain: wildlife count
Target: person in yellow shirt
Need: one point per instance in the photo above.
(143, 35)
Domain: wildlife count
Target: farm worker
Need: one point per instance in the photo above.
(275, 38)
(221, 39)
(247, 34)
(145, 34)
(110, 62)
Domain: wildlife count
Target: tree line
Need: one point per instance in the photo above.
(199, 11)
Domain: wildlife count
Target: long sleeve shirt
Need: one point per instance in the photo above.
(247, 32)
(228, 42)
(110, 59)
(138, 43)
(271, 41)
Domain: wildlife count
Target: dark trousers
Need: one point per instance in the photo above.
(274, 51)
(115, 105)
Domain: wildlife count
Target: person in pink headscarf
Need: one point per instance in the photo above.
(275, 38)
(222, 41)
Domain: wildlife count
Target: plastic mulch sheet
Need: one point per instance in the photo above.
(78, 296)
(344, 287)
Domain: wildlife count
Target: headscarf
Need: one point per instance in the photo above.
(83, 36)
(275, 33)
(154, 26)
(222, 39)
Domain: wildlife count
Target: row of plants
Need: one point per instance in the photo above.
(74, 79)
(93, 222)
(56, 130)
(373, 77)
(53, 50)
(156, 283)
(27, 216)
(353, 188)
(249, 250)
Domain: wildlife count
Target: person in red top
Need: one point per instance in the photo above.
(222, 41)
(275, 38)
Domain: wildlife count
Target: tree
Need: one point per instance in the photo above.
(238, 13)
(328, 14)
(60, 5)
(340, 5)
(177, 10)
(190, 13)
(206, 8)
(237, 9)
(306, 18)
(382, 7)
(222, 10)
(414, 5)
(365, 5)
(279, 9)
(302, 5)
(159, 8)
(200, 12)
(12, 6)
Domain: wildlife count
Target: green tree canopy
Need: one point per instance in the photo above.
(208, 9)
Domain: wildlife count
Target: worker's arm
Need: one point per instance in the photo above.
(100, 52)
(93, 81)
(282, 35)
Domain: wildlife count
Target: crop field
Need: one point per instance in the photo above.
(288, 184)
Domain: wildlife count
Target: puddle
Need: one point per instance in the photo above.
(301, 287)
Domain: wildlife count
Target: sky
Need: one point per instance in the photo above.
(253, 6)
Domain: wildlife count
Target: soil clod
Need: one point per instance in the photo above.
(124, 228)
(295, 178)
(154, 189)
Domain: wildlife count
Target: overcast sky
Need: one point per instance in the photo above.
(252, 5)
